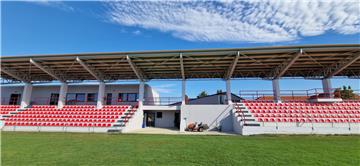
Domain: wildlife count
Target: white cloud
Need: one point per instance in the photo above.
(137, 32)
(57, 4)
(165, 88)
(244, 21)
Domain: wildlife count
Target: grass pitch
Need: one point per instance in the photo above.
(20, 148)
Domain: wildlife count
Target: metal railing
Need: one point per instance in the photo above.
(118, 101)
(162, 101)
(295, 94)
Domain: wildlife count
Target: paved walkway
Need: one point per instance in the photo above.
(174, 131)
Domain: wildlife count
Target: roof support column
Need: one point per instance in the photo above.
(183, 92)
(101, 95)
(62, 95)
(26, 95)
(276, 90)
(228, 91)
(326, 83)
(141, 93)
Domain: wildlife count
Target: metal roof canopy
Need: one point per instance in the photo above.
(308, 61)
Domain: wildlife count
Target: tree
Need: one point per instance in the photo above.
(202, 94)
(347, 93)
(219, 91)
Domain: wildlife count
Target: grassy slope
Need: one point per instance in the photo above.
(102, 149)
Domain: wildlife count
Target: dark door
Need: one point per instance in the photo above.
(108, 98)
(54, 98)
(14, 99)
(150, 119)
(177, 120)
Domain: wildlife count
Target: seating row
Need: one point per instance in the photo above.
(303, 104)
(9, 106)
(6, 109)
(308, 111)
(70, 115)
(72, 112)
(66, 116)
(309, 120)
(79, 106)
(58, 124)
(60, 120)
(302, 107)
(308, 115)
(76, 109)
(293, 101)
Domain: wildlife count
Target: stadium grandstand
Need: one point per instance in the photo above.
(77, 93)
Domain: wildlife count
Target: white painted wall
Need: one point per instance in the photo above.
(41, 93)
(167, 120)
(151, 93)
(135, 122)
(6, 91)
(212, 115)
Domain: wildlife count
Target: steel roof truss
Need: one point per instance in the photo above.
(53, 73)
(98, 75)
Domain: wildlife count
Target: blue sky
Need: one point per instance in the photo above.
(74, 27)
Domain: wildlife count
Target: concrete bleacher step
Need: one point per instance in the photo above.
(114, 130)
(122, 120)
(119, 125)
(128, 113)
(251, 124)
(249, 120)
(243, 111)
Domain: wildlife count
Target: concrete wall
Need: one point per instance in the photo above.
(212, 115)
(135, 122)
(41, 93)
(167, 120)
(6, 91)
(291, 128)
(152, 94)
(213, 99)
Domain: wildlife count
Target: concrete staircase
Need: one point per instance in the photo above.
(246, 116)
(122, 121)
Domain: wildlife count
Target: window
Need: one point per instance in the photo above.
(132, 97)
(91, 97)
(74, 98)
(127, 97)
(80, 97)
(71, 98)
(122, 97)
(108, 98)
(158, 114)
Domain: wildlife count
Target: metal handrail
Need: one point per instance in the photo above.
(242, 115)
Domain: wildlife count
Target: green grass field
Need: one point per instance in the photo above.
(102, 149)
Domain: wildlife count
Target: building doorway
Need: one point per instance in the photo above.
(150, 119)
(108, 98)
(177, 120)
(54, 98)
(14, 99)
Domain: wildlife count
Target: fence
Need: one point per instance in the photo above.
(297, 94)
(162, 100)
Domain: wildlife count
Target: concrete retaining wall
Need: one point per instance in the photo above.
(293, 128)
(212, 115)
